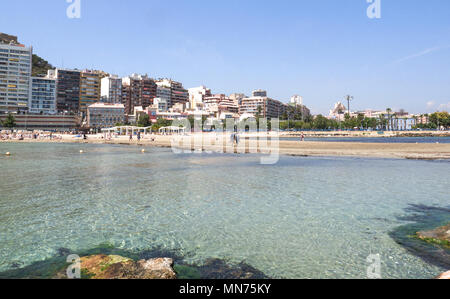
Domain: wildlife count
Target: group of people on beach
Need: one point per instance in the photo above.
(139, 137)
(28, 136)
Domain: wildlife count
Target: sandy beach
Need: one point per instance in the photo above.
(249, 144)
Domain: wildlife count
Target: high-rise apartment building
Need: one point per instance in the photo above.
(89, 89)
(42, 96)
(148, 92)
(138, 91)
(178, 95)
(130, 93)
(262, 105)
(163, 91)
(15, 75)
(111, 89)
(67, 89)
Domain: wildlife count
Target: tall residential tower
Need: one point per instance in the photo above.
(15, 75)
(111, 89)
(67, 89)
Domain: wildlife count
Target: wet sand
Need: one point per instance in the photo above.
(214, 143)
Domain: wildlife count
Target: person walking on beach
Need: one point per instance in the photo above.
(139, 136)
(303, 137)
(131, 136)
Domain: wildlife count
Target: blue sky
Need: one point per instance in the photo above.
(320, 49)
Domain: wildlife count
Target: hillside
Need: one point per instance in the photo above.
(6, 38)
(40, 66)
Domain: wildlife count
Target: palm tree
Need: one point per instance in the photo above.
(348, 98)
(382, 121)
(340, 112)
(389, 110)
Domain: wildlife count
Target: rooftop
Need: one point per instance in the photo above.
(107, 105)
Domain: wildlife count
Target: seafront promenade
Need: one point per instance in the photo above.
(266, 144)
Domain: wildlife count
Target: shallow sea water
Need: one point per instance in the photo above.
(301, 218)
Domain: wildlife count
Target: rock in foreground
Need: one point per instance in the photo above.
(445, 275)
(116, 267)
(440, 236)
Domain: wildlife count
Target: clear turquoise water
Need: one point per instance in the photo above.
(300, 218)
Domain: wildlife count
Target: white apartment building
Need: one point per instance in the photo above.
(220, 104)
(111, 89)
(15, 75)
(260, 103)
(297, 100)
(161, 104)
(42, 95)
(196, 97)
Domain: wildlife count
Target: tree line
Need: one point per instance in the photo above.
(296, 120)
(434, 121)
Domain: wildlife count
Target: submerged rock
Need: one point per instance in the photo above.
(440, 236)
(445, 275)
(219, 269)
(117, 267)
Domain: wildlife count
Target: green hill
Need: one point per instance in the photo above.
(40, 66)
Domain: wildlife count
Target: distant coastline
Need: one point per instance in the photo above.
(372, 134)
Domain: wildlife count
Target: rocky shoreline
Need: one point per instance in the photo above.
(423, 220)
(439, 236)
(103, 266)
(109, 262)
